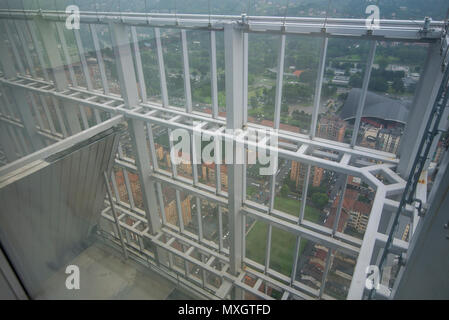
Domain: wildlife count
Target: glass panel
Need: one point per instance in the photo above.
(282, 251)
(256, 241)
(340, 275)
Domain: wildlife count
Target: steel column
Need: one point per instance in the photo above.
(128, 87)
(234, 120)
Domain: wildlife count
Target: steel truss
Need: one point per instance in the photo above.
(149, 238)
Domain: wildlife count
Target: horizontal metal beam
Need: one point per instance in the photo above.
(325, 240)
(61, 145)
(388, 29)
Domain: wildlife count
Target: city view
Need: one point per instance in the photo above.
(341, 103)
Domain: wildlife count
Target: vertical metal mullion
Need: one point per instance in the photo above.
(47, 113)
(59, 75)
(305, 189)
(203, 272)
(114, 214)
(194, 137)
(318, 86)
(104, 80)
(84, 67)
(16, 141)
(194, 159)
(277, 112)
(126, 179)
(141, 245)
(160, 60)
(84, 117)
(200, 219)
(3, 109)
(173, 165)
(36, 110)
(295, 260)
(185, 63)
(128, 241)
(152, 147)
(25, 148)
(326, 271)
(234, 120)
(137, 58)
(26, 50)
(14, 48)
(362, 98)
(243, 237)
(213, 74)
(37, 48)
(279, 80)
(268, 248)
(66, 54)
(114, 186)
(179, 210)
(340, 206)
(59, 116)
(7, 143)
(220, 229)
(128, 189)
(23, 108)
(126, 75)
(245, 111)
(245, 75)
(186, 264)
(161, 202)
(277, 117)
(6, 102)
(217, 159)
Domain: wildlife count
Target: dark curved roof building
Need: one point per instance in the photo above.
(376, 106)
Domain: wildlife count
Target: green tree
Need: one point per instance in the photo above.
(320, 199)
(398, 85)
(284, 190)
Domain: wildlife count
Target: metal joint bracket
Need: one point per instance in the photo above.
(446, 226)
(422, 208)
(425, 29)
(244, 19)
(402, 259)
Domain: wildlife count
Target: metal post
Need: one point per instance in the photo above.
(104, 80)
(59, 77)
(160, 60)
(114, 214)
(128, 87)
(362, 98)
(234, 120)
(140, 77)
(213, 74)
(185, 63)
(426, 93)
(21, 103)
(318, 86)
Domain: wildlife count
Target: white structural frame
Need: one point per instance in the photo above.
(150, 239)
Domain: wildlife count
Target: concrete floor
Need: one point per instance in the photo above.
(104, 274)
